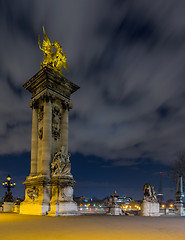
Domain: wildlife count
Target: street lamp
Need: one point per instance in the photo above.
(8, 185)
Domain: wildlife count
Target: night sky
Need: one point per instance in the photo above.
(128, 118)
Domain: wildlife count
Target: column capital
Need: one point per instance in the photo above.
(66, 105)
(47, 97)
(34, 104)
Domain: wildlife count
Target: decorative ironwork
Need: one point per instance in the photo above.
(8, 185)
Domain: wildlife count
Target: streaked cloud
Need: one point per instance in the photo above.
(128, 58)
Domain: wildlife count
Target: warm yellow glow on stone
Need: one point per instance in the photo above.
(55, 60)
(29, 208)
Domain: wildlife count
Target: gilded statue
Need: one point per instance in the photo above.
(53, 59)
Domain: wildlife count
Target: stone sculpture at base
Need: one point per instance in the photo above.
(62, 185)
(150, 204)
(179, 209)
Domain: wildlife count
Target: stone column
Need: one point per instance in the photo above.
(49, 134)
(34, 141)
(64, 127)
(46, 144)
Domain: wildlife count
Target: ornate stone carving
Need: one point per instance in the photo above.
(56, 122)
(40, 113)
(33, 193)
(67, 193)
(149, 193)
(33, 104)
(66, 105)
(61, 165)
(40, 133)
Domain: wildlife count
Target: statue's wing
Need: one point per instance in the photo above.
(46, 38)
(46, 46)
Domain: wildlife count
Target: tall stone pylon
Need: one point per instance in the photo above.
(49, 187)
(179, 196)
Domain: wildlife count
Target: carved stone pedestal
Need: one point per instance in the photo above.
(150, 204)
(150, 209)
(37, 196)
(62, 202)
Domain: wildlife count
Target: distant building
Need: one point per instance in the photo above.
(91, 204)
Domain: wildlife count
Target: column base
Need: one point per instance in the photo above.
(34, 208)
(63, 209)
(37, 196)
(62, 202)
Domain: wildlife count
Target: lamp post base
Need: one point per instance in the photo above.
(8, 206)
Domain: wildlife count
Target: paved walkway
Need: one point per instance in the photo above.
(19, 227)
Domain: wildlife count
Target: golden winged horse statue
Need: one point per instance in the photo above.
(53, 59)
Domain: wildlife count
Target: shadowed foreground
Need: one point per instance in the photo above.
(14, 226)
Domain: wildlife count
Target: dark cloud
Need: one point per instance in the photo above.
(128, 58)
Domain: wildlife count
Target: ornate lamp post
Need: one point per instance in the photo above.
(114, 208)
(8, 185)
